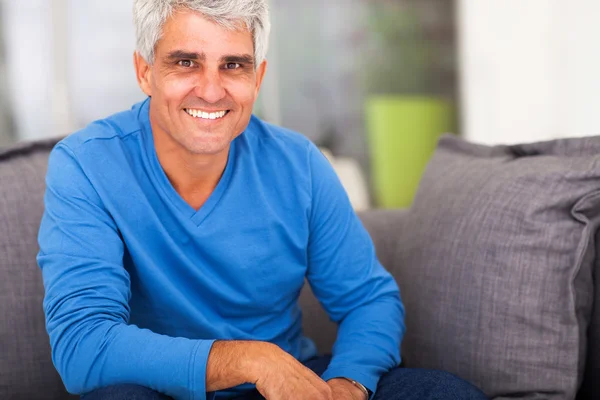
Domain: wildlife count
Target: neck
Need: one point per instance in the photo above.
(194, 176)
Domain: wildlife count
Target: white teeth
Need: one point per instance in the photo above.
(205, 115)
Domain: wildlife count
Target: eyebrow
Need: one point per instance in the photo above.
(232, 58)
(238, 58)
(180, 54)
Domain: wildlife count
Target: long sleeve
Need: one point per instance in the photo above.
(353, 287)
(87, 295)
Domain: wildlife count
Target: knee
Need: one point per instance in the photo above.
(451, 383)
(427, 384)
(125, 392)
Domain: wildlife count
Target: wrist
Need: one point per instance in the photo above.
(360, 386)
(254, 359)
(224, 367)
(356, 389)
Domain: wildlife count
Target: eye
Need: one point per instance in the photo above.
(185, 63)
(232, 65)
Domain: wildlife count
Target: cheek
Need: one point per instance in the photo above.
(177, 89)
(242, 92)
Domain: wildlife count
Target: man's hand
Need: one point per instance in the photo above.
(343, 389)
(279, 376)
(276, 374)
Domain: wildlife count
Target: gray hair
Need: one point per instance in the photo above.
(149, 17)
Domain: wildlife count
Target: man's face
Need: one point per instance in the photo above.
(203, 83)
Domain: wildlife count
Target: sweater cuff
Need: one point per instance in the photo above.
(198, 362)
(367, 380)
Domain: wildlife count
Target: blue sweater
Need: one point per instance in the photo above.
(139, 284)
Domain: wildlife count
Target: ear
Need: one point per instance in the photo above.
(260, 74)
(143, 73)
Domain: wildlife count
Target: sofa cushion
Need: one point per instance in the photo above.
(26, 370)
(495, 265)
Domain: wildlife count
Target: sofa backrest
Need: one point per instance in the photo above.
(26, 369)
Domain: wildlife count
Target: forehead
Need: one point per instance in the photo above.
(191, 31)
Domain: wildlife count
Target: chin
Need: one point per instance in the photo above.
(204, 147)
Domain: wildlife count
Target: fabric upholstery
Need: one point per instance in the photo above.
(495, 265)
(410, 245)
(26, 370)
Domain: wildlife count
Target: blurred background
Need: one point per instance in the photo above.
(372, 82)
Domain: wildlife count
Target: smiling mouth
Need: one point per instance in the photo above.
(206, 115)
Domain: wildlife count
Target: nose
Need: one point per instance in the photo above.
(210, 86)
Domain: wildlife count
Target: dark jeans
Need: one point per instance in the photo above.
(398, 384)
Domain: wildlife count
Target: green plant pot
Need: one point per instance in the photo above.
(402, 134)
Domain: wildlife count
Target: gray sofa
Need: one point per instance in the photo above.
(26, 370)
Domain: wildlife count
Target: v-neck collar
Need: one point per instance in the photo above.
(161, 179)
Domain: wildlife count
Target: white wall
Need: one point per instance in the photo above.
(100, 59)
(529, 69)
(68, 63)
(27, 28)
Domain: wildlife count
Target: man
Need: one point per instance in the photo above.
(177, 236)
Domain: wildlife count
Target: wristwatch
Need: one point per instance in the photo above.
(360, 386)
